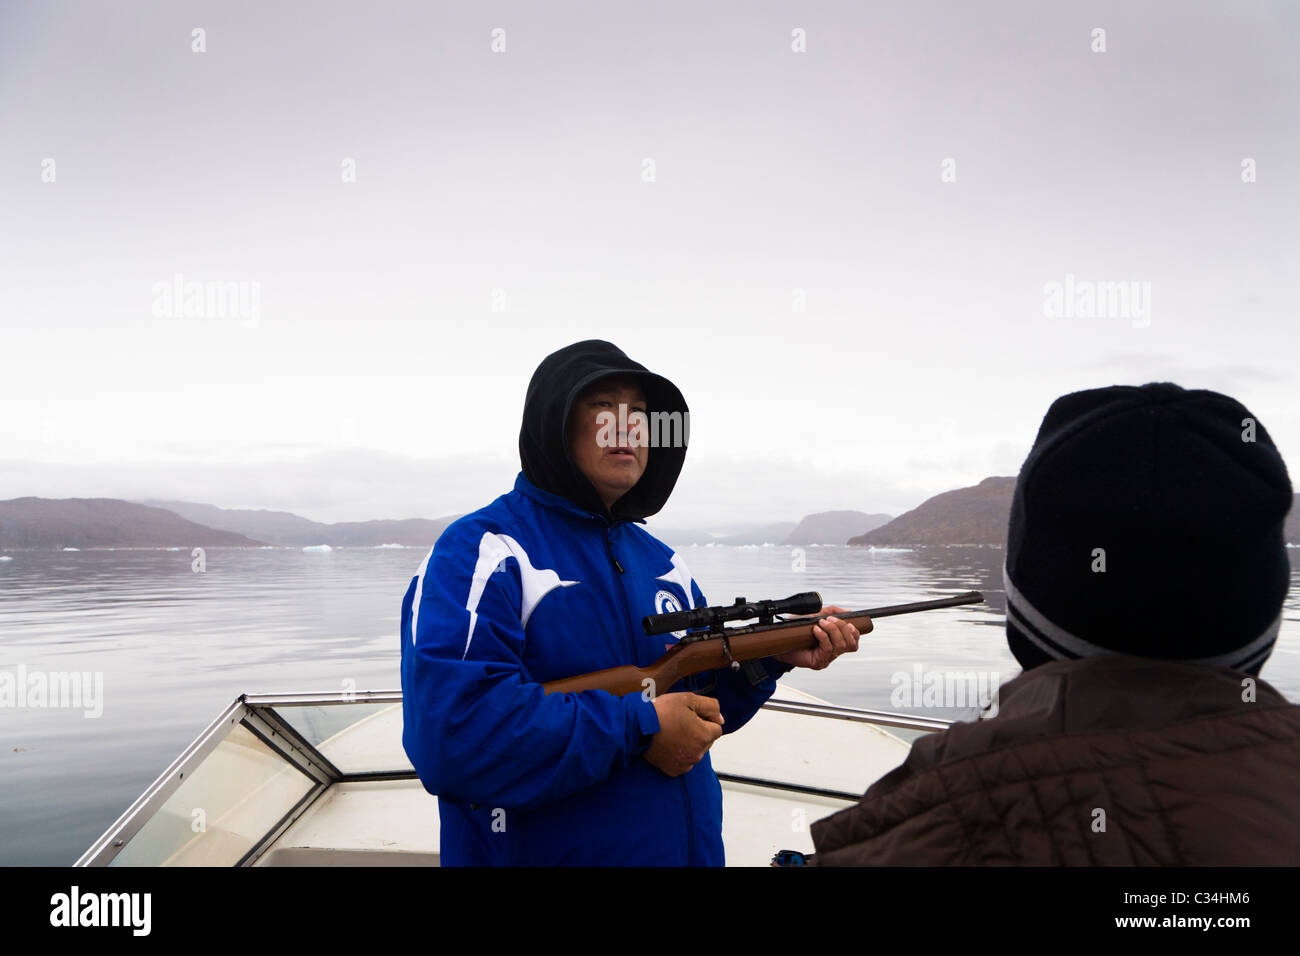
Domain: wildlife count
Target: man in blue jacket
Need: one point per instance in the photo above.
(552, 580)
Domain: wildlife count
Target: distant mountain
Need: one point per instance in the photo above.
(975, 515)
(273, 527)
(826, 527)
(412, 532)
(725, 534)
(291, 530)
(761, 534)
(104, 523)
(680, 537)
(834, 527)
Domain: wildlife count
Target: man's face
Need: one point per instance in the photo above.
(609, 444)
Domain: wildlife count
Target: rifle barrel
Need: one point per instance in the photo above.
(969, 597)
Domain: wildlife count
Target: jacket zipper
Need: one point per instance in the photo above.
(609, 549)
(686, 792)
(622, 592)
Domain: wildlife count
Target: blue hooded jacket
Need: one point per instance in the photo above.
(541, 584)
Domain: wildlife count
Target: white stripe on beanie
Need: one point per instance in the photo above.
(1059, 644)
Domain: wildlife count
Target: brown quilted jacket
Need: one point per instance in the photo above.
(1183, 772)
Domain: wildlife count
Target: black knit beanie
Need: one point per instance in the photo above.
(1148, 521)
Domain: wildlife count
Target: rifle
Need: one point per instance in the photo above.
(719, 646)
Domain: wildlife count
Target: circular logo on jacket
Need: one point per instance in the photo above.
(666, 603)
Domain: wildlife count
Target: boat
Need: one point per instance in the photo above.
(321, 779)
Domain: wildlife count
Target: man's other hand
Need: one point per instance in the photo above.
(688, 726)
(834, 637)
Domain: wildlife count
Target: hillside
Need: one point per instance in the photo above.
(291, 530)
(104, 523)
(273, 527)
(834, 527)
(749, 533)
(979, 515)
(975, 515)
(760, 534)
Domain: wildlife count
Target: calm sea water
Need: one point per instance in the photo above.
(175, 647)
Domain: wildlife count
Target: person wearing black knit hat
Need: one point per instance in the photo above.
(1148, 521)
(1145, 576)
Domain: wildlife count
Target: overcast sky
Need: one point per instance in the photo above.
(501, 209)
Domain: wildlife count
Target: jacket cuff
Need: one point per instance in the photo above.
(645, 723)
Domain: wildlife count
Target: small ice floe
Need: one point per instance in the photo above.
(318, 547)
(6, 557)
(890, 550)
(390, 546)
(71, 549)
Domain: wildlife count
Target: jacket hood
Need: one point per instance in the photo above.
(544, 440)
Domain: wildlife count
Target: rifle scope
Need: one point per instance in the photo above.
(809, 602)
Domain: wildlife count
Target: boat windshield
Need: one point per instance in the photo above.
(250, 773)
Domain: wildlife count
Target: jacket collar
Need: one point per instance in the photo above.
(556, 502)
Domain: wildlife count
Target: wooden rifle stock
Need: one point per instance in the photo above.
(709, 651)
